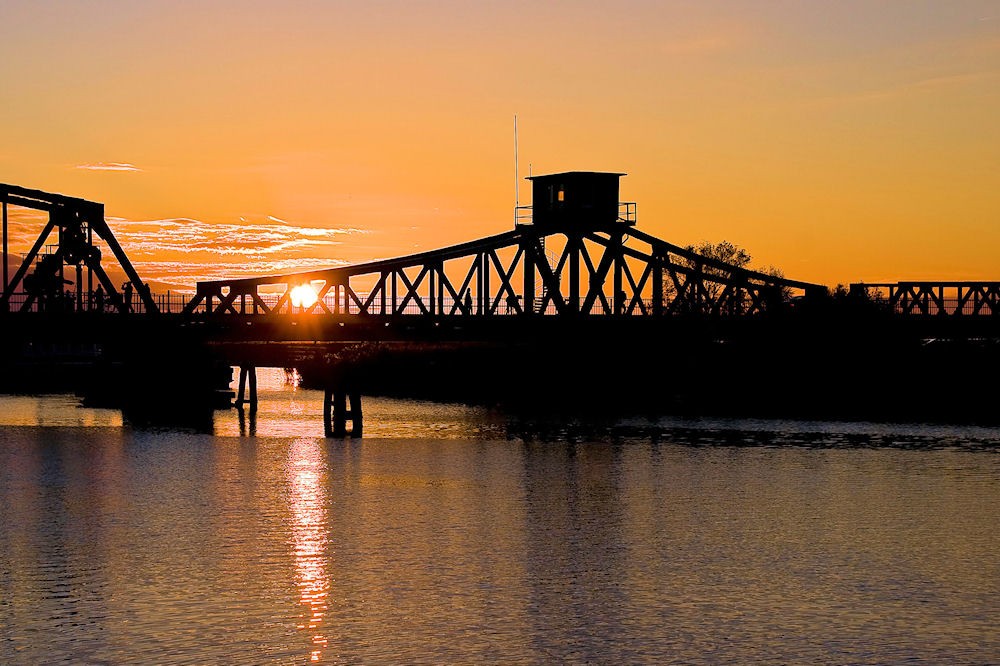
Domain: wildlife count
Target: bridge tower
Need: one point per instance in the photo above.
(576, 204)
(74, 222)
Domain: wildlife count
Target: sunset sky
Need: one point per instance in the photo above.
(837, 141)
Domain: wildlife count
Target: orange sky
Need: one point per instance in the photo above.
(840, 142)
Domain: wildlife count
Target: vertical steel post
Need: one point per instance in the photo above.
(381, 294)
(62, 265)
(657, 284)
(339, 405)
(242, 393)
(328, 412)
(90, 271)
(432, 291)
(574, 274)
(485, 294)
(339, 414)
(248, 375)
(253, 388)
(79, 288)
(530, 259)
(619, 300)
(5, 246)
(480, 284)
(355, 413)
(394, 293)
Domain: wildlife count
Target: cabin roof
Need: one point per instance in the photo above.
(576, 173)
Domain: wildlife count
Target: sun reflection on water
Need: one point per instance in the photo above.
(310, 537)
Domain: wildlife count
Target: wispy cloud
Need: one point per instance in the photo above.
(246, 239)
(108, 166)
(176, 253)
(181, 251)
(181, 276)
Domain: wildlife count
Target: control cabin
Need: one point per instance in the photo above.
(577, 198)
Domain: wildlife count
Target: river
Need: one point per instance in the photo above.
(451, 534)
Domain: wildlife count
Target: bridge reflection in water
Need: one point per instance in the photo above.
(574, 303)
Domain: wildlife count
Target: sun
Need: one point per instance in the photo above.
(303, 296)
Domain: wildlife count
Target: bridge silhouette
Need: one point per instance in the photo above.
(573, 280)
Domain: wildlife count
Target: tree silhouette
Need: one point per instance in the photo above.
(714, 279)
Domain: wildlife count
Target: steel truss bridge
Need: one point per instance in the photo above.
(567, 271)
(557, 281)
(923, 299)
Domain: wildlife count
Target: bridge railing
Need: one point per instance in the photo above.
(166, 302)
(174, 303)
(447, 306)
(626, 213)
(966, 299)
(903, 298)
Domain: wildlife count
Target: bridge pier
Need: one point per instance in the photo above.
(336, 413)
(247, 372)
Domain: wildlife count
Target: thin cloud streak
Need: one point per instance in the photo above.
(176, 253)
(189, 235)
(213, 251)
(108, 166)
(182, 276)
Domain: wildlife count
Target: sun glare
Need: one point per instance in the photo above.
(303, 296)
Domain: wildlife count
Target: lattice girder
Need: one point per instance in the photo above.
(614, 271)
(941, 298)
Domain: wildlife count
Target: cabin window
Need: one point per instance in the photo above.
(561, 196)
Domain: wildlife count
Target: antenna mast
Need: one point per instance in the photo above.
(517, 192)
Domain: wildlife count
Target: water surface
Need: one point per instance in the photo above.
(454, 534)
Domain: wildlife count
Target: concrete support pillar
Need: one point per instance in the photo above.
(247, 372)
(336, 413)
